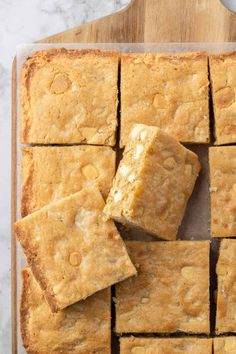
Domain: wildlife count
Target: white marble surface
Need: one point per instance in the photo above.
(25, 21)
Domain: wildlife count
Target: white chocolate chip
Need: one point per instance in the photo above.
(131, 177)
(88, 132)
(85, 218)
(138, 350)
(75, 259)
(60, 83)
(74, 87)
(89, 172)
(143, 135)
(169, 163)
(113, 191)
(124, 170)
(136, 131)
(188, 272)
(213, 189)
(145, 300)
(138, 151)
(118, 196)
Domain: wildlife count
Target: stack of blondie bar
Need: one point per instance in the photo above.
(85, 283)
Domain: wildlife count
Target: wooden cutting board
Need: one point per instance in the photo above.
(159, 21)
(141, 21)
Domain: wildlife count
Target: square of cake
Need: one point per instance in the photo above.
(81, 328)
(72, 250)
(51, 173)
(153, 183)
(223, 190)
(132, 345)
(169, 91)
(69, 96)
(226, 291)
(225, 345)
(171, 291)
(223, 88)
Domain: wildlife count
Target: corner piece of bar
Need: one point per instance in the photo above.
(84, 327)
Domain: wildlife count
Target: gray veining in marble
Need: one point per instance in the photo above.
(25, 21)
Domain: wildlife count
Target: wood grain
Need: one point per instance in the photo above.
(158, 21)
(141, 21)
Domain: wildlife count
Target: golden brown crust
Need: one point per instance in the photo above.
(222, 55)
(41, 279)
(132, 345)
(50, 53)
(169, 91)
(81, 328)
(223, 190)
(166, 56)
(223, 87)
(72, 251)
(226, 299)
(27, 169)
(56, 102)
(25, 274)
(171, 291)
(51, 173)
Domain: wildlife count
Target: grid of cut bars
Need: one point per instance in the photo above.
(223, 182)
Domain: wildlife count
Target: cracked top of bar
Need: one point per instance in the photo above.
(69, 96)
(170, 292)
(169, 91)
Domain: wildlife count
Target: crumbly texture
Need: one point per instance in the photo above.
(223, 190)
(153, 183)
(69, 96)
(169, 91)
(73, 252)
(132, 345)
(226, 294)
(223, 87)
(81, 328)
(171, 291)
(225, 345)
(51, 173)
